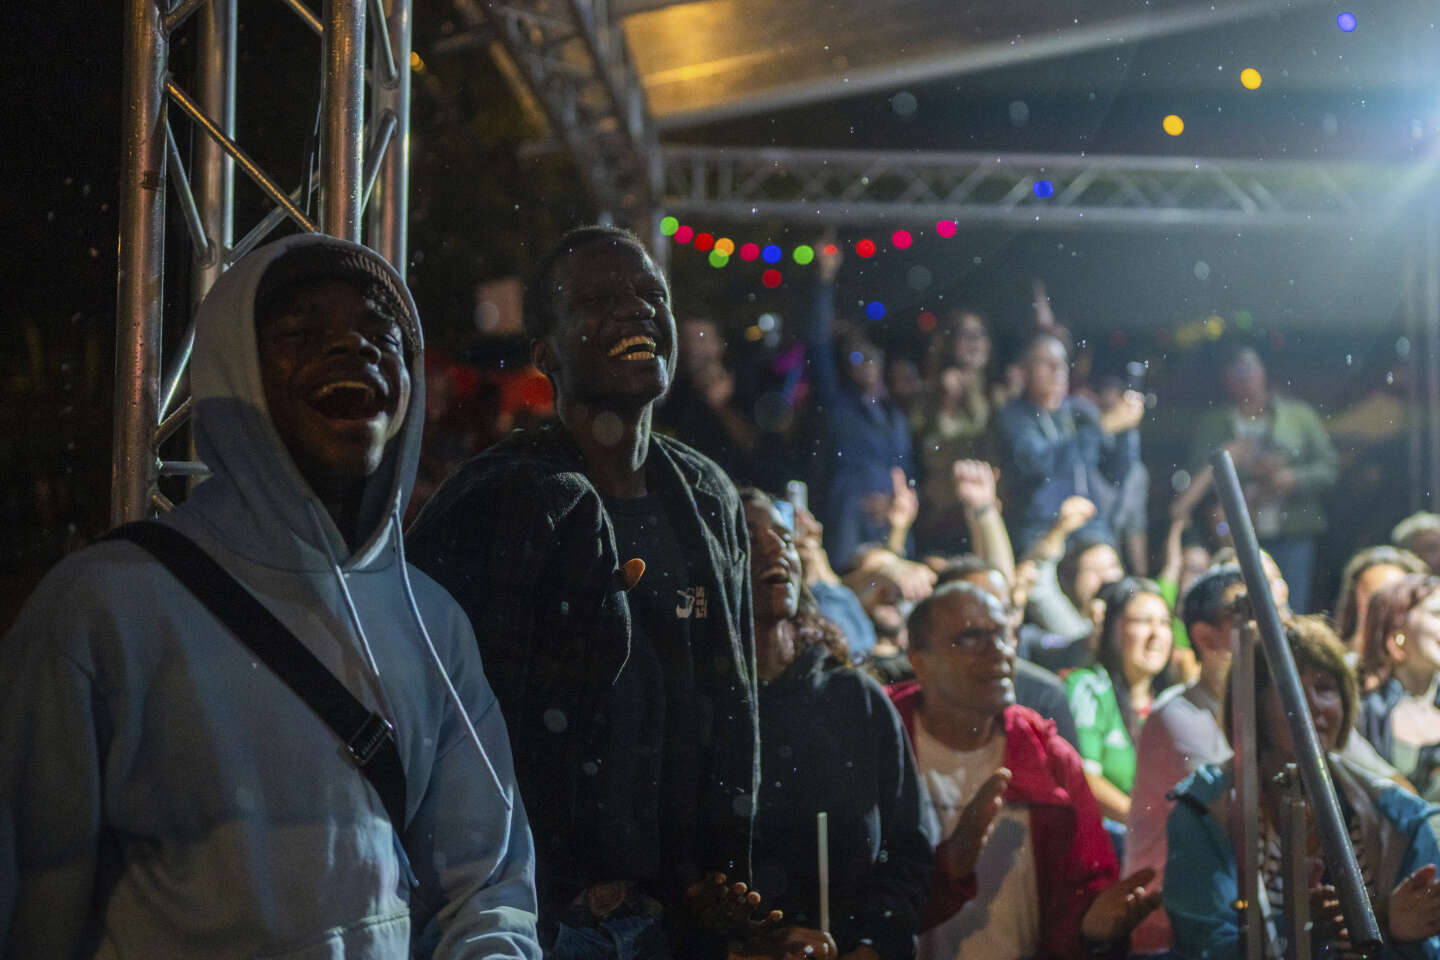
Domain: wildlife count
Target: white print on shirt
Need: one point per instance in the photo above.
(692, 603)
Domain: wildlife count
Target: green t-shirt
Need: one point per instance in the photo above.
(1170, 592)
(1104, 744)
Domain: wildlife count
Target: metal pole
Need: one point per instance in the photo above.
(342, 118)
(390, 210)
(1414, 367)
(1245, 824)
(1430, 287)
(1314, 770)
(1294, 856)
(141, 264)
(212, 170)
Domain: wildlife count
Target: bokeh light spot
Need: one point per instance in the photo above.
(749, 251)
(771, 278)
(725, 245)
(1173, 125)
(902, 239)
(945, 228)
(803, 254)
(1250, 78)
(831, 249)
(718, 259)
(669, 225)
(926, 322)
(704, 242)
(875, 310)
(865, 248)
(1044, 189)
(1346, 22)
(771, 253)
(684, 234)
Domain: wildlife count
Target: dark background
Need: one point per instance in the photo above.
(1325, 306)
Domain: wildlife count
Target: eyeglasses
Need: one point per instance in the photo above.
(982, 639)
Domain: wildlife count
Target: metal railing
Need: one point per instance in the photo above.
(151, 401)
(1319, 789)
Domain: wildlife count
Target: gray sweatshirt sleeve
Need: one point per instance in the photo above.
(54, 727)
(1050, 608)
(474, 859)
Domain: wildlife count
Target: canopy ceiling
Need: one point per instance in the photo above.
(716, 59)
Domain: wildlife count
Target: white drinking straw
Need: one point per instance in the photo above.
(822, 838)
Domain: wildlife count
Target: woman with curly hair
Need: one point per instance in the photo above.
(832, 742)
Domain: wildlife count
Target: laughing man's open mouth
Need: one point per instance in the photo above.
(634, 348)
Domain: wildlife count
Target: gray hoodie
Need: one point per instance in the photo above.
(164, 795)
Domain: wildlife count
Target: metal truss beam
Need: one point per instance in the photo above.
(573, 57)
(866, 187)
(151, 404)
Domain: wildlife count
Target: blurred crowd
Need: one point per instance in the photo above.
(958, 519)
(687, 652)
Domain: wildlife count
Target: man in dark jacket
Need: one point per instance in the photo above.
(605, 570)
(1054, 446)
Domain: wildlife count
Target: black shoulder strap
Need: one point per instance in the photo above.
(369, 737)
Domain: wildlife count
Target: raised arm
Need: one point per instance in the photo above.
(975, 489)
(820, 332)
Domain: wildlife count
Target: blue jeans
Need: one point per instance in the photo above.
(634, 937)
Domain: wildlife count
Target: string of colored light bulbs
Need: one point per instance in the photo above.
(721, 249)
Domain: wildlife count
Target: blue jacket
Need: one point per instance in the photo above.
(161, 795)
(1395, 827)
(1047, 457)
(864, 438)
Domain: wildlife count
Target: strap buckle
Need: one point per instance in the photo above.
(373, 734)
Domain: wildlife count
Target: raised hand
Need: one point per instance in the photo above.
(827, 263)
(1120, 907)
(1126, 414)
(974, 484)
(729, 910)
(904, 504)
(1075, 512)
(1415, 906)
(961, 850)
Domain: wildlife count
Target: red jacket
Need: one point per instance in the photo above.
(1074, 859)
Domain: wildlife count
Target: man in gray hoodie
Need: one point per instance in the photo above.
(163, 793)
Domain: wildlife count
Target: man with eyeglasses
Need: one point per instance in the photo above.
(1025, 869)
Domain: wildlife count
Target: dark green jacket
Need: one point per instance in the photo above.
(1297, 432)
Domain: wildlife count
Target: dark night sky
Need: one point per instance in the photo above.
(480, 210)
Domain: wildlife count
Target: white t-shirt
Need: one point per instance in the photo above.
(1002, 922)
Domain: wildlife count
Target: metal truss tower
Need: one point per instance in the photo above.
(361, 159)
(573, 58)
